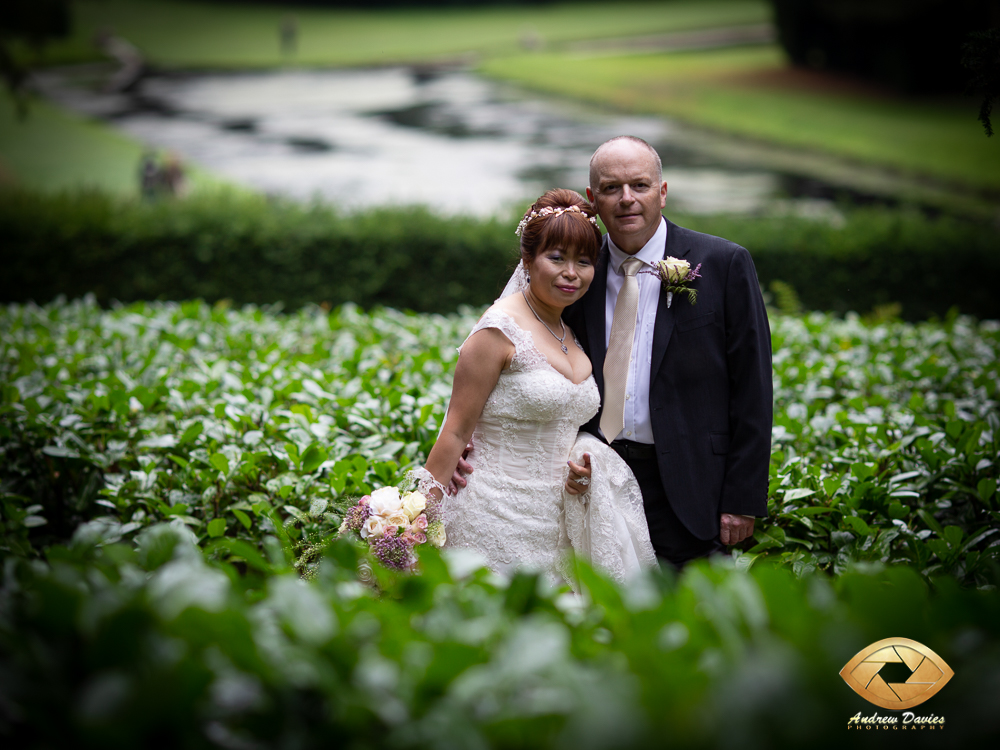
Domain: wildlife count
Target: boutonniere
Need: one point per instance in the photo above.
(675, 275)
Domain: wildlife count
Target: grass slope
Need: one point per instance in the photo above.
(50, 149)
(748, 91)
(198, 34)
(745, 91)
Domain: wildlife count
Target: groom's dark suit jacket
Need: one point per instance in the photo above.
(710, 394)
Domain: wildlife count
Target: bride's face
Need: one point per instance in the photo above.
(560, 275)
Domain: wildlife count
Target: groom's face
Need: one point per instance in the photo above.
(628, 193)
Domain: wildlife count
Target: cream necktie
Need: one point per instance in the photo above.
(616, 361)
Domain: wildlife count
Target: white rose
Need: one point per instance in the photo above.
(398, 518)
(674, 269)
(385, 501)
(414, 504)
(373, 526)
(435, 534)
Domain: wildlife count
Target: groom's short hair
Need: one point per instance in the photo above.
(633, 139)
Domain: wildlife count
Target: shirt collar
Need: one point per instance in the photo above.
(651, 252)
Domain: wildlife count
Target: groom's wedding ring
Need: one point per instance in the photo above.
(583, 481)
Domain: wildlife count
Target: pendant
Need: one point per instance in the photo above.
(565, 350)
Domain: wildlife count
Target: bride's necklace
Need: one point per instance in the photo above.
(557, 338)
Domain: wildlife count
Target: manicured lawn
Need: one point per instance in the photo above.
(183, 34)
(748, 91)
(51, 149)
(745, 91)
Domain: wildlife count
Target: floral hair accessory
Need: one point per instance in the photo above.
(550, 211)
(675, 275)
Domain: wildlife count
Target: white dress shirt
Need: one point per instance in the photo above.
(637, 423)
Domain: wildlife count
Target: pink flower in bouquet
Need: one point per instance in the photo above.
(413, 536)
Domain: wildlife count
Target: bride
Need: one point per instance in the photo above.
(522, 389)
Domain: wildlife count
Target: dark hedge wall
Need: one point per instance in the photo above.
(252, 250)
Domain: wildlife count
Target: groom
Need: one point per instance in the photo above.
(685, 386)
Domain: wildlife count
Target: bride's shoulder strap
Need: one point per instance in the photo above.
(494, 317)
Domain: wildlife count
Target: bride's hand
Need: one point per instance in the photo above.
(579, 476)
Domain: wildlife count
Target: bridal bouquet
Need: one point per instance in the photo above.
(393, 524)
(675, 275)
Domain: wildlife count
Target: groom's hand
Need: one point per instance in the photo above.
(578, 472)
(734, 529)
(464, 468)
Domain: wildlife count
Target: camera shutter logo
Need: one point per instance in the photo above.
(928, 673)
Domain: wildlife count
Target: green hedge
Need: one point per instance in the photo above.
(247, 249)
(253, 250)
(876, 257)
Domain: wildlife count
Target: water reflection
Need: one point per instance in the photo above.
(357, 138)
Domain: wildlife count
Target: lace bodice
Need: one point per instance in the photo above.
(514, 510)
(531, 418)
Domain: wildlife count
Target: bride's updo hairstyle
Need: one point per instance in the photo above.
(560, 218)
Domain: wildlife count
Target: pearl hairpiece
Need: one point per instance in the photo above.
(549, 211)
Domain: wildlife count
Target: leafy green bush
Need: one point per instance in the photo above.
(219, 418)
(886, 446)
(254, 429)
(169, 472)
(108, 646)
(250, 249)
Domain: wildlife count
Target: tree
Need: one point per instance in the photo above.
(914, 46)
(34, 22)
(982, 58)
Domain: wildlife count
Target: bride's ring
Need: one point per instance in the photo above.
(583, 481)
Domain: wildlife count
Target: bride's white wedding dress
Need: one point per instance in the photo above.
(514, 509)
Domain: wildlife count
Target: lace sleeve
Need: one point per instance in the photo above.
(426, 482)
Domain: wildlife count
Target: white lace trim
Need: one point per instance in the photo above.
(607, 524)
(527, 356)
(426, 482)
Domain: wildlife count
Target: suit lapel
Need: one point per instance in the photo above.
(664, 325)
(594, 313)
